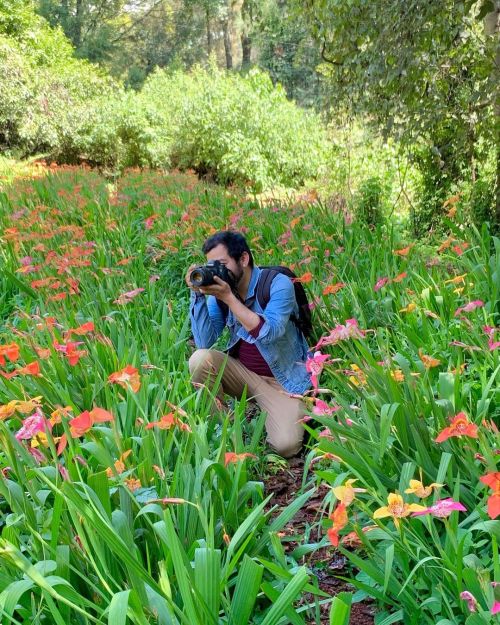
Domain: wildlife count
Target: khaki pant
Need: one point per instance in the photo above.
(284, 432)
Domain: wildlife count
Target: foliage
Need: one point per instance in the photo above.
(237, 129)
(133, 518)
(426, 74)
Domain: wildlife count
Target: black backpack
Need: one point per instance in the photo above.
(263, 295)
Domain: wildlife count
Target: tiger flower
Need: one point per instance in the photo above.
(493, 481)
(459, 426)
(126, 377)
(417, 488)
(340, 520)
(397, 509)
(347, 493)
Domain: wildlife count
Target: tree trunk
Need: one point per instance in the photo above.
(77, 31)
(246, 39)
(210, 42)
(227, 43)
(246, 51)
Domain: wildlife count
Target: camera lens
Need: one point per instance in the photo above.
(197, 277)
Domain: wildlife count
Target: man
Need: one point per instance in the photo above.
(267, 352)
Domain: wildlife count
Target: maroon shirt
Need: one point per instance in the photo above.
(249, 355)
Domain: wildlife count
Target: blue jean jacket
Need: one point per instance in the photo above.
(280, 342)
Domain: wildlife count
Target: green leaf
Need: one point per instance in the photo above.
(245, 594)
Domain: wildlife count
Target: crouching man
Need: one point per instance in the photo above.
(266, 352)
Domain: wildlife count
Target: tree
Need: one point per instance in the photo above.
(422, 71)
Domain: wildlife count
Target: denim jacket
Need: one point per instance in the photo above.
(280, 342)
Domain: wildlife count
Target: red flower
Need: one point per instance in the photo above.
(460, 426)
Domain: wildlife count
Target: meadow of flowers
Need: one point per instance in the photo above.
(123, 501)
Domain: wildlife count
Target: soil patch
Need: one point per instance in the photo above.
(325, 563)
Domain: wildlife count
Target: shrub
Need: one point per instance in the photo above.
(369, 201)
(237, 129)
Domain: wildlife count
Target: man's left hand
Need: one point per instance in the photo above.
(221, 290)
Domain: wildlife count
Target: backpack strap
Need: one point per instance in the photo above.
(263, 289)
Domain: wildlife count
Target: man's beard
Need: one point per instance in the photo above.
(238, 275)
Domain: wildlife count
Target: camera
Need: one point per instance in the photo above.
(204, 274)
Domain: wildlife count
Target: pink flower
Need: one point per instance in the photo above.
(322, 408)
(32, 426)
(127, 297)
(477, 303)
(490, 333)
(381, 282)
(471, 600)
(495, 609)
(342, 333)
(314, 366)
(442, 508)
(64, 473)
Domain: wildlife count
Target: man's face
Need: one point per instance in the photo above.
(220, 253)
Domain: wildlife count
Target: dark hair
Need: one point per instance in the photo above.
(234, 242)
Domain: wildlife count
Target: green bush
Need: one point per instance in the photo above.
(237, 129)
(368, 206)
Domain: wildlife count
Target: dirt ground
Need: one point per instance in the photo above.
(326, 564)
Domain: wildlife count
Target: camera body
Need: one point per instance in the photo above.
(204, 274)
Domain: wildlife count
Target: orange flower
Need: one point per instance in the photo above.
(304, 279)
(81, 424)
(119, 464)
(445, 244)
(404, 251)
(331, 289)
(11, 350)
(132, 483)
(340, 520)
(168, 421)
(83, 329)
(231, 458)
(16, 405)
(417, 488)
(493, 481)
(429, 361)
(347, 493)
(400, 277)
(456, 279)
(56, 415)
(128, 376)
(460, 426)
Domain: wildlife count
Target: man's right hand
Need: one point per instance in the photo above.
(187, 278)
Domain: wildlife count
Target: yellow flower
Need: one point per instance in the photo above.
(346, 493)
(458, 290)
(358, 378)
(410, 308)
(396, 508)
(417, 488)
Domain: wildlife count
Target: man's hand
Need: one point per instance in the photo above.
(221, 290)
(187, 278)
